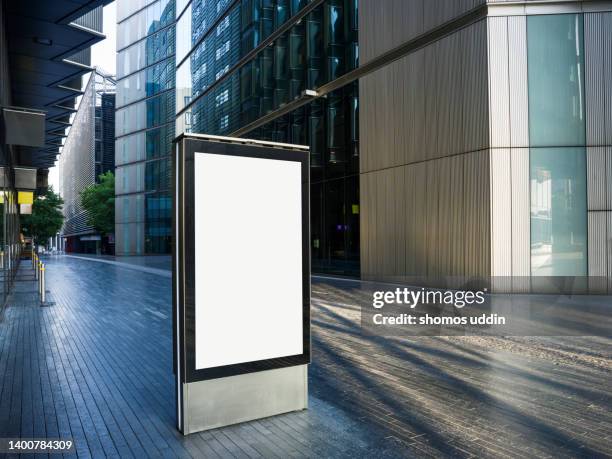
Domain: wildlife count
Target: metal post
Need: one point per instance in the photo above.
(40, 271)
(36, 266)
(42, 284)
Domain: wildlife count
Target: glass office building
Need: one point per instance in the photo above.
(144, 126)
(447, 139)
(241, 64)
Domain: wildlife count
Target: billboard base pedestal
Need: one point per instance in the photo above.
(224, 401)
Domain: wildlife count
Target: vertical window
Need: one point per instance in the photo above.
(557, 145)
(558, 212)
(556, 80)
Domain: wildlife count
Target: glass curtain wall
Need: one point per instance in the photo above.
(144, 126)
(238, 61)
(557, 145)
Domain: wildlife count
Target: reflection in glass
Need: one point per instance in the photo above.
(330, 127)
(558, 212)
(556, 80)
(183, 35)
(146, 83)
(159, 220)
(146, 52)
(147, 21)
(556, 119)
(320, 47)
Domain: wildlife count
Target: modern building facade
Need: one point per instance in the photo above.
(449, 138)
(144, 125)
(88, 152)
(240, 68)
(485, 147)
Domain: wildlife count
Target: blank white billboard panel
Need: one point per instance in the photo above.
(248, 259)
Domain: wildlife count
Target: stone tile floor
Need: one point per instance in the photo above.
(97, 367)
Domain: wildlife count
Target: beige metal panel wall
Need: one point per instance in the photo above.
(412, 121)
(476, 194)
(455, 88)
(598, 235)
(431, 89)
(499, 95)
(429, 104)
(386, 24)
(509, 137)
(609, 179)
(367, 184)
(365, 224)
(389, 221)
(424, 164)
(431, 218)
(595, 83)
(508, 98)
(607, 75)
(415, 223)
(399, 190)
(401, 20)
(380, 251)
(427, 219)
(596, 178)
(598, 93)
(517, 80)
(521, 221)
(456, 214)
(367, 93)
(475, 106)
(437, 12)
(501, 214)
(443, 228)
(609, 249)
(380, 91)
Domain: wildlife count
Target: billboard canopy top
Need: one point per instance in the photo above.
(243, 141)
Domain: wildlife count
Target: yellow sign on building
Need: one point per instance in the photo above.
(25, 197)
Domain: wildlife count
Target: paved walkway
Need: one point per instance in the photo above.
(97, 367)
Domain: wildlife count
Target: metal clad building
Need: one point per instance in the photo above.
(87, 152)
(447, 137)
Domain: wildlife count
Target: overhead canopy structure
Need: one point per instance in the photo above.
(49, 51)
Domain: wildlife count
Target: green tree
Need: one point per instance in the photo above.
(46, 218)
(98, 200)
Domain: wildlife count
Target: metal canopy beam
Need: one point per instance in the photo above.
(48, 53)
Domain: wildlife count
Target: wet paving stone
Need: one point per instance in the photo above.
(97, 367)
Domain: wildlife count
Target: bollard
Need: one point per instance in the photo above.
(42, 284)
(40, 265)
(36, 268)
